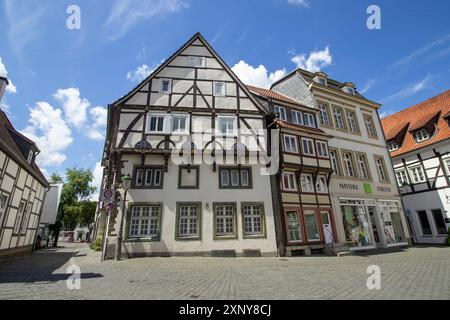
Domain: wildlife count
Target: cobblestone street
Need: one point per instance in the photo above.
(413, 273)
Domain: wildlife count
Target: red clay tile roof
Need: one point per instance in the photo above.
(423, 121)
(9, 146)
(273, 95)
(395, 131)
(421, 111)
(300, 127)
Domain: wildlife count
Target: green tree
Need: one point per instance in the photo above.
(55, 178)
(74, 207)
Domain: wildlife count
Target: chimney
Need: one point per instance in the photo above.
(3, 83)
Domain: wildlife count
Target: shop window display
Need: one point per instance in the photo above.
(356, 225)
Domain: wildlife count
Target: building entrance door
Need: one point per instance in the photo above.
(373, 221)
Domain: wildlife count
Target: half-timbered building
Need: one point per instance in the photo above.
(300, 187)
(22, 189)
(190, 135)
(366, 201)
(419, 143)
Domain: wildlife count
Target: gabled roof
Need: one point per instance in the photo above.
(299, 127)
(198, 36)
(437, 107)
(393, 133)
(273, 95)
(10, 147)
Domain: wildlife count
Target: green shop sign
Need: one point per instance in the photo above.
(367, 188)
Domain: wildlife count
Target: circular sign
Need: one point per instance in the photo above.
(107, 194)
(110, 206)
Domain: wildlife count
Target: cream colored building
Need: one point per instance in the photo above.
(220, 207)
(366, 202)
(22, 190)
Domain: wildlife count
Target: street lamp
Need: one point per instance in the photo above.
(126, 182)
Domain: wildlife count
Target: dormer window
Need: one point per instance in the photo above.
(421, 135)
(393, 145)
(322, 81)
(350, 91)
(30, 156)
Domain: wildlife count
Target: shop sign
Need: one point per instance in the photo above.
(384, 189)
(367, 188)
(348, 186)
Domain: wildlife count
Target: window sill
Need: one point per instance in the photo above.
(233, 237)
(256, 236)
(132, 240)
(197, 238)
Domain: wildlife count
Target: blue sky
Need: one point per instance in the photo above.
(62, 80)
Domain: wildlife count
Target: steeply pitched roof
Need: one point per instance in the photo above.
(395, 130)
(10, 147)
(288, 125)
(424, 112)
(273, 95)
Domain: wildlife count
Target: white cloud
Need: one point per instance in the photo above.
(97, 181)
(74, 107)
(410, 89)
(140, 73)
(259, 76)
(369, 84)
(299, 3)
(10, 88)
(316, 60)
(50, 132)
(98, 123)
(127, 13)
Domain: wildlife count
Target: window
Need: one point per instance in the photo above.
(339, 117)
(381, 168)
(370, 126)
(297, 117)
(363, 166)
(417, 174)
(225, 220)
(26, 217)
(219, 89)
(148, 177)
(156, 123)
(447, 164)
(306, 182)
(392, 145)
(253, 219)
(289, 181)
(165, 86)
(352, 121)
(308, 147)
(188, 177)
(281, 113)
(235, 177)
(3, 203)
(293, 226)
(439, 221)
(335, 162)
(324, 115)
(321, 184)
(227, 125)
(312, 231)
(322, 81)
(145, 221)
(188, 221)
(180, 123)
(30, 156)
(402, 177)
(20, 213)
(421, 135)
(308, 120)
(424, 222)
(322, 149)
(195, 61)
(290, 143)
(350, 91)
(349, 164)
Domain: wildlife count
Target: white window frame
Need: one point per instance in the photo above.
(323, 81)
(281, 112)
(19, 217)
(338, 169)
(3, 206)
(161, 82)
(297, 117)
(290, 138)
(226, 217)
(289, 174)
(324, 109)
(351, 162)
(339, 111)
(185, 228)
(310, 145)
(401, 176)
(381, 169)
(307, 182)
(30, 156)
(291, 222)
(310, 120)
(350, 90)
(447, 165)
(142, 220)
(25, 219)
(352, 126)
(187, 123)
(321, 184)
(311, 213)
(143, 174)
(166, 123)
(364, 168)
(322, 149)
(417, 174)
(421, 135)
(393, 145)
(223, 93)
(218, 127)
(370, 125)
(252, 218)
